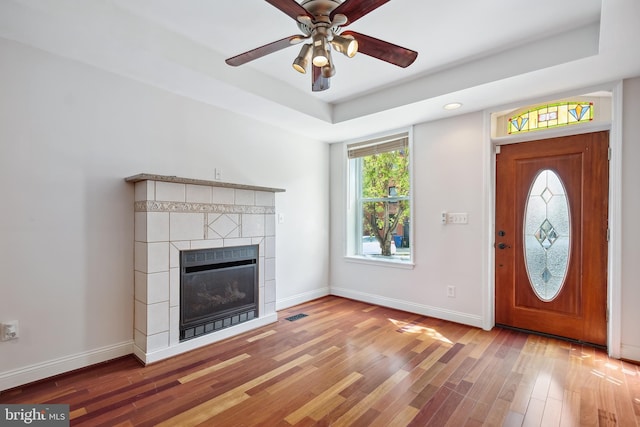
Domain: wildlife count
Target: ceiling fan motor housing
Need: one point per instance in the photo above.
(321, 10)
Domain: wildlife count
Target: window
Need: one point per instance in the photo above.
(380, 205)
(551, 115)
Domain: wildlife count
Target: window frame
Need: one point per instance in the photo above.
(355, 201)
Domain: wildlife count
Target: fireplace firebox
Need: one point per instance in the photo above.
(218, 289)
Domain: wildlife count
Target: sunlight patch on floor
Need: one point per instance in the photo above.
(606, 377)
(412, 328)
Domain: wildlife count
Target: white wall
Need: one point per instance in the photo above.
(69, 135)
(448, 175)
(630, 334)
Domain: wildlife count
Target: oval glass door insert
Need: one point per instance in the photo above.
(547, 235)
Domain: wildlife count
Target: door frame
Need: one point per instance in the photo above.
(614, 268)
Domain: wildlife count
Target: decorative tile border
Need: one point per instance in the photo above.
(185, 207)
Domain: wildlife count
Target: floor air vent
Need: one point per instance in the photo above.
(296, 317)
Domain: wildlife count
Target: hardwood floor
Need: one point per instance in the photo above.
(351, 363)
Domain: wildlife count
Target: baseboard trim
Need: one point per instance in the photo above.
(40, 371)
(283, 303)
(411, 307)
(630, 353)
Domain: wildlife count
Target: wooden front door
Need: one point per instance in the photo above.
(551, 236)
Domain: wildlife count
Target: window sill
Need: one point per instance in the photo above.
(381, 262)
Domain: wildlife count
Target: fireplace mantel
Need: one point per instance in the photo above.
(173, 214)
(179, 180)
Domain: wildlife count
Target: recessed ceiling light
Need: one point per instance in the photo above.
(452, 106)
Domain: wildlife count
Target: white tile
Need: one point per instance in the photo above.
(140, 285)
(157, 342)
(224, 225)
(261, 298)
(174, 326)
(140, 256)
(270, 291)
(269, 308)
(174, 287)
(157, 287)
(223, 195)
(140, 340)
(158, 257)
(186, 226)
(144, 190)
(174, 252)
(140, 226)
(253, 225)
(269, 269)
(265, 198)
(270, 247)
(198, 193)
(261, 271)
(157, 226)
(270, 225)
(157, 318)
(245, 197)
(207, 244)
(236, 242)
(261, 307)
(170, 192)
(140, 316)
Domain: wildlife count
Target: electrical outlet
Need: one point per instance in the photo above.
(217, 173)
(451, 291)
(9, 330)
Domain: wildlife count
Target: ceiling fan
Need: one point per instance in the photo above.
(322, 22)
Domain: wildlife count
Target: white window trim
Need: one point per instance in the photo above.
(353, 221)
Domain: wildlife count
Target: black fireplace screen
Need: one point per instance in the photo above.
(218, 289)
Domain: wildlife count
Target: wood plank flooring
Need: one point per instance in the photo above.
(353, 364)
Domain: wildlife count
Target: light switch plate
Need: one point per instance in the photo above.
(457, 218)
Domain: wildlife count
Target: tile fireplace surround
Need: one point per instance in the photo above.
(174, 214)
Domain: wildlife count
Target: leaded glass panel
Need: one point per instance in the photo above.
(547, 235)
(550, 116)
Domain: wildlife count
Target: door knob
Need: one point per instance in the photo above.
(502, 246)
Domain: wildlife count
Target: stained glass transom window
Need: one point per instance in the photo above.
(551, 115)
(547, 235)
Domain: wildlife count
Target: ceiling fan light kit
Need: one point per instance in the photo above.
(301, 63)
(348, 46)
(322, 22)
(320, 47)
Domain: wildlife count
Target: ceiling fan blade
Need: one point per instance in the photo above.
(380, 49)
(290, 7)
(319, 82)
(261, 51)
(356, 9)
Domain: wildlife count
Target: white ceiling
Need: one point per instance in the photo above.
(481, 53)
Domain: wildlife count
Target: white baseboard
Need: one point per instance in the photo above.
(28, 374)
(301, 298)
(411, 307)
(630, 352)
